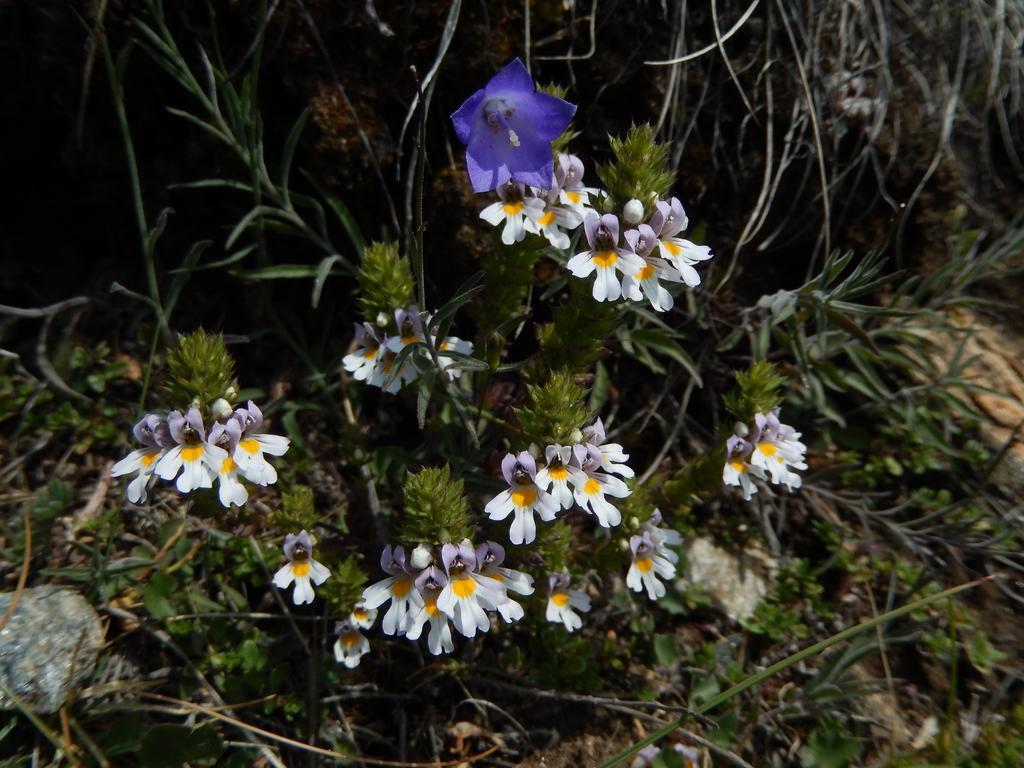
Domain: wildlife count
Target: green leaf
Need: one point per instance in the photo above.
(665, 649)
(289, 150)
(322, 271)
(982, 654)
(341, 211)
(156, 596)
(172, 746)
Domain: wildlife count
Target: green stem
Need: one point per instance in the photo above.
(789, 661)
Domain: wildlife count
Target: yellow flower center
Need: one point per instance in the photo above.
(148, 458)
(674, 248)
(227, 465)
(401, 587)
(591, 487)
(739, 466)
(605, 259)
(192, 453)
(574, 197)
(431, 607)
(410, 339)
(360, 614)
(249, 445)
(558, 473)
(644, 564)
(464, 587)
(645, 273)
(498, 577)
(767, 449)
(546, 219)
(524, 497)
(350, 639)
(300, 569)
(511, 209)
(370, 354)
(560, 599)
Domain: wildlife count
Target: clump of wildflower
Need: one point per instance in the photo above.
(510, 210)
(652, 557)
(430, 584)
(522, 498)
(380, 348)
(606, 256)
(351, 645)
(155, 438)
(772, 452)
(667, 222)
(490, 555)
(468, 594)
(593, 486)
(508, 127)
(397, 587)
(301, 568)
(253, 444)
(563, 602)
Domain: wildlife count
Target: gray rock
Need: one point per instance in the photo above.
(48, 648)
(736, 583)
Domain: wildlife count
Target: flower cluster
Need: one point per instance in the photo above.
(378, 359)
(179, 447)
(652, 557)
(768, 452)
(458, 588)
(590, 467)
(645, 257)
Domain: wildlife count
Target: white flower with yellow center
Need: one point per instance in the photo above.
(592, 486)
(737, 471)
(522, 498)
(649, 562)
(554, 478)
(301, 568)
(155, 438)
(569, 183)
(362, 616)
(489, 557)
(387, 377)
(468, 595)
(253, 446)
(398, 588)
(777, 449)
(362, 361)
(351, 646)
(510, 210)
(449, 362)
(645, 282)
(550, 220)
(439, 639)
(195, 459)
(613, 458)
(667, 221)
(563, 602)
(605, 257)
(226, 436)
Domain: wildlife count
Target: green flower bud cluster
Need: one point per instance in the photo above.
(385, 281)
(436, 511)
(640, 170)
(200, 372)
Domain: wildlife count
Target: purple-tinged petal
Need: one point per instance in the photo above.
(468, 555)
(527, 462)
(545, 116)
(176, 425)
(431, 579)
(508, 466)
(490, 553)
(195, 420)
(610, 222)
(590, 225)
(449, 554)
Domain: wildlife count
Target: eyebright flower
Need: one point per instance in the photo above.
(362, 616)
(468, 594)
(490, 555)
(508, 127)
(562, 600)
(510, 210)
(605, 256)
(667, 222)
(196, 460)
(554, 478)
(448, 363)
(545, 217)
(650, 560)
(362, 362)
(737, 470)
(253, 444)
(383, 377)
(226, 436)
(591, 486)
(300, 568)
(439, 640)
(351, 646)
(398, 588)
(613, 459)
(569, 184)
(523, 498)
(645, 282)
(154, 436)
(776, 449)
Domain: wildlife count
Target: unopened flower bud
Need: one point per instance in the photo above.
(741, 429)
(221, 409)
(231, 393)
(421, 557)
(383, 319)
(575, 437)
(633, 212)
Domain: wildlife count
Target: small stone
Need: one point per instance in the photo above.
(737, 584)
(48, 648)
